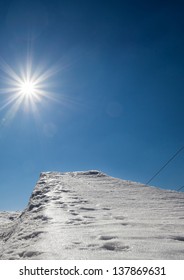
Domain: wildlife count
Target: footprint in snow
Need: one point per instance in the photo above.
(75, 221)
(120, 218)
(115, 246)
(87, 208)
(178, 238)
(29, 254)
(73, 212)
(65, 191)
(107, 237)
(124, 224)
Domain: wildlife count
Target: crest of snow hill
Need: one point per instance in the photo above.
(89, 215)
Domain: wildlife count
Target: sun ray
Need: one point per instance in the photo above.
(24, 87)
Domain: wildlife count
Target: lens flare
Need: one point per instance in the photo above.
(24, 88)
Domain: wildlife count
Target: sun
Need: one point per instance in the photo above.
(28, 88)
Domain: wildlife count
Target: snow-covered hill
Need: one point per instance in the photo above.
(89, 215)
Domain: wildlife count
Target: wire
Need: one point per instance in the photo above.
(165, 166)
(180, 188)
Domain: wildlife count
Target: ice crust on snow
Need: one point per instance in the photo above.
(89, 215)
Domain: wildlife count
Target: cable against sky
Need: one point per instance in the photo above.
(160, 170)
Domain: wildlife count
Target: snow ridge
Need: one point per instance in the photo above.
(89, 215)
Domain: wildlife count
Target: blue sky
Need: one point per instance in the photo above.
(114, 103)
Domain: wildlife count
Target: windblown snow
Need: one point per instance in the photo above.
(89, 215)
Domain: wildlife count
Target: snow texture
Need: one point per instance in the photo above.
(89, 215)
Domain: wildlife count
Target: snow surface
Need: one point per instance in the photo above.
(89, 215)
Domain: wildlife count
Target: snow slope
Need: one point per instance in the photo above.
(89, 215)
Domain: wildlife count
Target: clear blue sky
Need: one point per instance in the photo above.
(119, 91)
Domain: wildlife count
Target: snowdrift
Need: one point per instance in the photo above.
(89, 215)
